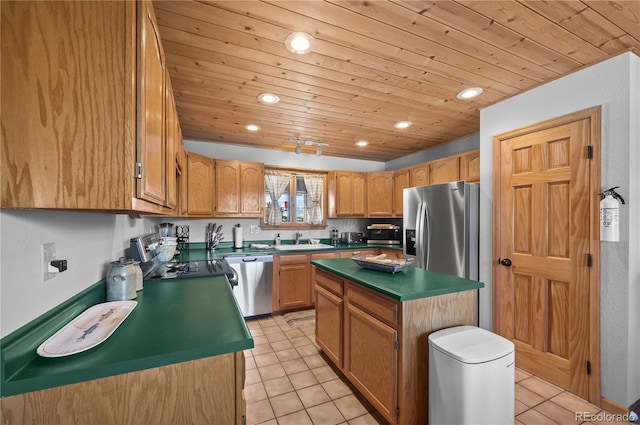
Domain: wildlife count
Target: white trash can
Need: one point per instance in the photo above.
(471, 377)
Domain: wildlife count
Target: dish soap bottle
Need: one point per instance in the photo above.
(278, 239)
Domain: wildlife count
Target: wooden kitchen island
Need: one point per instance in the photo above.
(374, 327)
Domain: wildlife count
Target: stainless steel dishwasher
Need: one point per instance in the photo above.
(254, 290)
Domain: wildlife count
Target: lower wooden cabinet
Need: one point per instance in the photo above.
(291, 283)
(380, 344)
(204, 391)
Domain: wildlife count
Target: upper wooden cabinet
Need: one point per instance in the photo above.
(197, 186)
(239, 189)
(470, 166)
(173, 141)
(445, 170)
(380, 194)
(346, 194)
(82, 118)
(401, 181)
(419, 175)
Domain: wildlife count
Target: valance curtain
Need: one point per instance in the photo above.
(275, 184)
(314, 190)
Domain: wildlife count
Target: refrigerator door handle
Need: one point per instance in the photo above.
(427, 236)
(418, 243)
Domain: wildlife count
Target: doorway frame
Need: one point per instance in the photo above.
(595, 124)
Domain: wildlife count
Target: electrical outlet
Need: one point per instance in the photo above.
(255, 229)
(48, 254)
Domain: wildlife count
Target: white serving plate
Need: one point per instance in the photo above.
(92, 327)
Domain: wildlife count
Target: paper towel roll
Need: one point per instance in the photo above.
(237, 237)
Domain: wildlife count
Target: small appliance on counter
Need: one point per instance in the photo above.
(335, 236)
(352, 238)
(122, 280)
(145, 249)
(388, 234)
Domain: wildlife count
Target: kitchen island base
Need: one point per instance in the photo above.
(204, 391)
(380, 344)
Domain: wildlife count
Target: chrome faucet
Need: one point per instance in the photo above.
(298, 236)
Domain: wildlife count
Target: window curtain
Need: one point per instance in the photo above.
(275, 184)
(315, 185)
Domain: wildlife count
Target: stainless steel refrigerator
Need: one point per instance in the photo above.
(440, 225)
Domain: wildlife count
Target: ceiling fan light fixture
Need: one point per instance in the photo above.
(268, 98)
(300, 43)
(298, 149)
(252, 127)
(318, 150)
(469, 93)
(402, 124)
(362, 143)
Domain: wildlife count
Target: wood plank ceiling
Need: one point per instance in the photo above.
(375, 63)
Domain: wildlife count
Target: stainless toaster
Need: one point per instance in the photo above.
(352, 238)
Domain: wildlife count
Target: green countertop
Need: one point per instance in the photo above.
(197, 252)
(410, 284)
(175, 321)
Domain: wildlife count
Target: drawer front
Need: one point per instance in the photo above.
(373, 303)
(330, 282)
(294, 259)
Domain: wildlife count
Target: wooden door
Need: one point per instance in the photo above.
(171, 127)
(371, 360)
(344, 193)
(252, 188)
(199, 196)
(152, 183)
(329, 324)
(545, 293)
(400, 182)
(228, 187)
(445, 170)
(293, 282)
(380, 194)
(359, 194)
(419, 175)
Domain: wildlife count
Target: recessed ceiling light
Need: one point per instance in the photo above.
(268, 98)
(252, 127)
(402, 124)
(299, 42)
(469, 93)
(362, 143)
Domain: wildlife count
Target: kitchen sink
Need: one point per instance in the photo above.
(302, 246)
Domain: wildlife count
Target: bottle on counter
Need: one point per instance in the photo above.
(278, 240)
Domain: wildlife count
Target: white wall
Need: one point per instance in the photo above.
(613, 84)
(88, 241)
(280, 158)
(455, 147)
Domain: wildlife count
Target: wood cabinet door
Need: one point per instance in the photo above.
(401, 179)
(152, 168)
(227, 187)
(380, 194)
(330, 324)
(251, 188)
(199, 196)
(470, 167)
(318, 256)
(359, 194)
(344, 193)
(419, 175)
(172, 131)
(445, 170)
(293, 282)
(371, 360)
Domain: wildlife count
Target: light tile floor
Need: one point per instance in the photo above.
(289, 382)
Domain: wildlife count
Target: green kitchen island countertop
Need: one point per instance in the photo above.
(410, 284)
(176, 320)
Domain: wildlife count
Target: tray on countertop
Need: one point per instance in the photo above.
(92, 327)
(381, 263)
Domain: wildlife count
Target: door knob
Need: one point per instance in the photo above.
(505, 262)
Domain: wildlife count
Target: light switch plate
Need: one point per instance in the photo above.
(255, 229)
(48, 253)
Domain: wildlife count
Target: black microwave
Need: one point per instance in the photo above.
(388, 234)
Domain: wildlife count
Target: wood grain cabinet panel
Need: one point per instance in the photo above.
(292, 284)
(401, 181)
(380, 194)
(470, 166)
(205, 391)
(239, 189)
(199, 188)
(91, 107)
(329, 326)
(445, 170)
(419, 175)
(346, 194)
